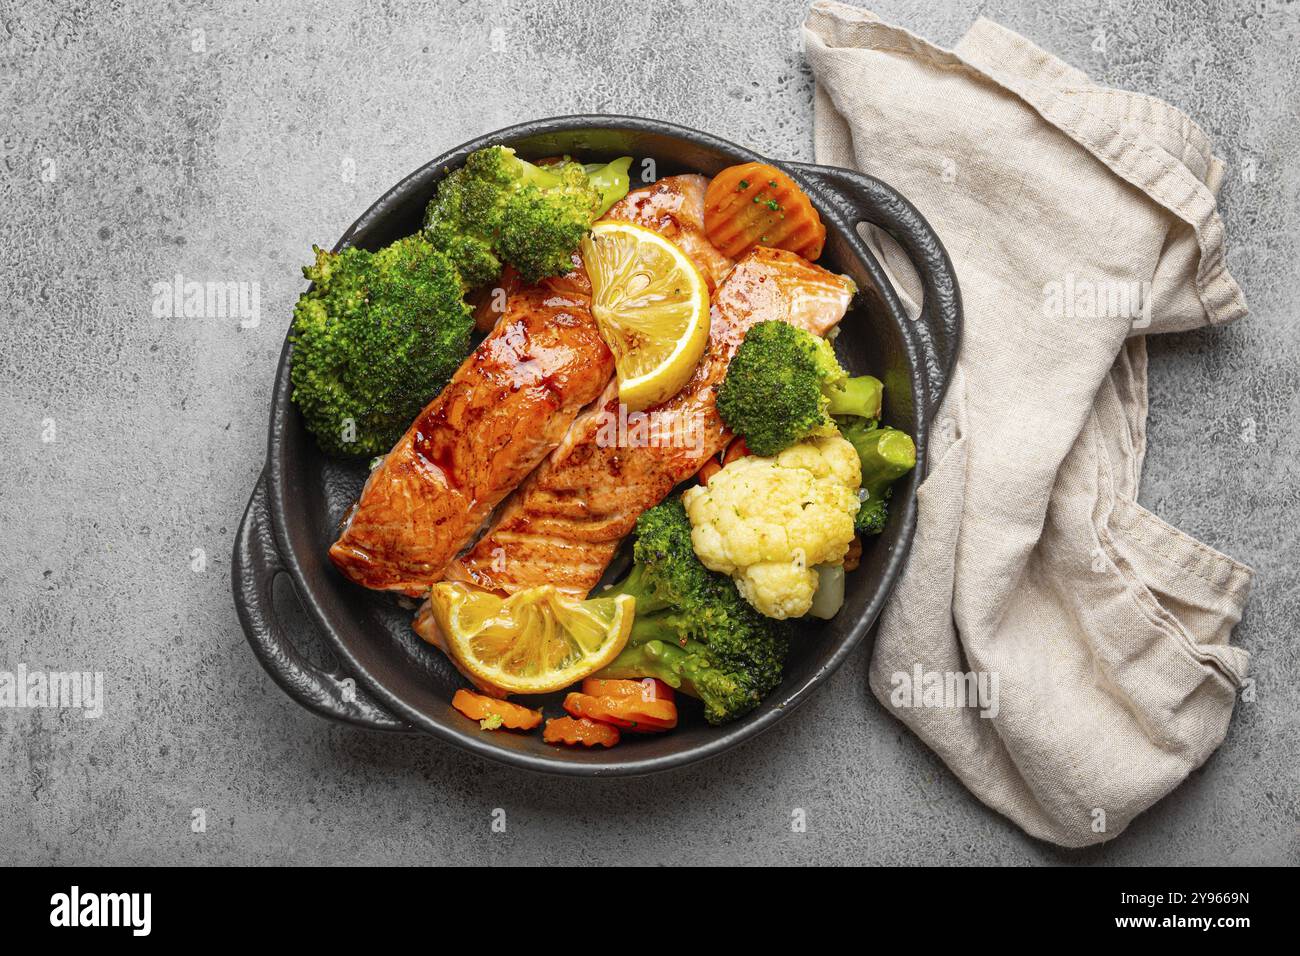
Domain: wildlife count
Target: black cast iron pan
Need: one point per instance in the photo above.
(386, 678)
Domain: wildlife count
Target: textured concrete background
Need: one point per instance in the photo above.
(136, 148)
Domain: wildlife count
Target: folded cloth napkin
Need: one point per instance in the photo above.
(1079, 219)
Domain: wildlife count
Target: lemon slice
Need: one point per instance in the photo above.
(533, 642)
(652, 306)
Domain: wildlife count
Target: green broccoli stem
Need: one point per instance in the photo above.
(667, 660)
(886, 454)
(636, 585)
(860, 396)
(657, 624)
(530, 174)
(641, 661)
(611, 180)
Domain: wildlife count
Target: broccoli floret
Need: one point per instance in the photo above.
(472, 254)
(871, 517)
(784, 384)
(374, 339)
(499, 208)
(886, 454)
(692, 628)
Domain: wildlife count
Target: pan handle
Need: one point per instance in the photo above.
(855, 197)
(254, 568)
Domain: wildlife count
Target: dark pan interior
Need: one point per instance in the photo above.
(371, 632)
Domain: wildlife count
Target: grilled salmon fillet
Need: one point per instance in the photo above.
(507, 406)
(564, 524)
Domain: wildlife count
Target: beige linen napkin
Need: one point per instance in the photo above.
(1079, 219)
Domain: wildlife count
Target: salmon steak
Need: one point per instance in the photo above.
(565, 523)
(506, 407)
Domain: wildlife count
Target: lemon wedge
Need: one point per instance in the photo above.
(534, 642)
(652, 306)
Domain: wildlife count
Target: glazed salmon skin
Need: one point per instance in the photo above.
(565, 523)
(505, 409)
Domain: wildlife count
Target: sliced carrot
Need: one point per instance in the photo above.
(708, 470)
(737, 449)
(589, 733)
(488, 710)
(853, 557)
(648, 688)
(755, 204)
(629, 713)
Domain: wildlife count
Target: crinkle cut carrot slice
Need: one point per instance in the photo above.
(647, 688)
(481, 708)
(589, 733)
(628, 713)
(755, 204)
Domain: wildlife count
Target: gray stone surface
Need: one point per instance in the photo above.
(133, 152)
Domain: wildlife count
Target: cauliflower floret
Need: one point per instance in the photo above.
(768, 521)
